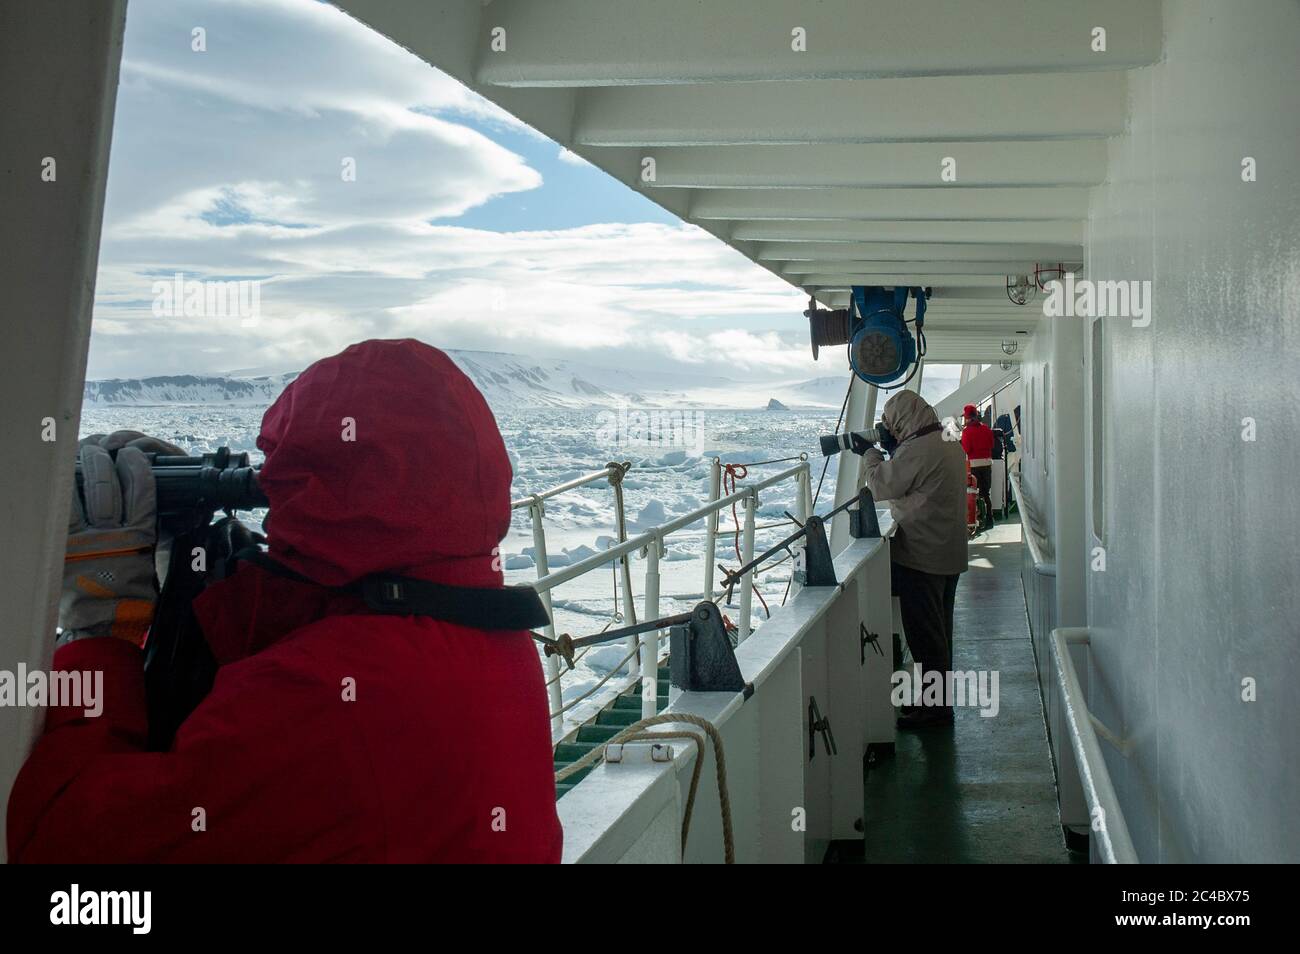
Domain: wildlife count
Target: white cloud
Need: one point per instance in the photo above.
(227, 164)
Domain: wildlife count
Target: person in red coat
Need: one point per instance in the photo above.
(331, 733)
(977, 442)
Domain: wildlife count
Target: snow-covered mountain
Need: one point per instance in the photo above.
(187, 389)
(506, 380)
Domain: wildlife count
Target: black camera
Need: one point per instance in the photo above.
(202, 484)
(858, 441)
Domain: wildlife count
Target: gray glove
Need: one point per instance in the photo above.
(109, 584)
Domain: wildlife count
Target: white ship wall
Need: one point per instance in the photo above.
(1199, 590)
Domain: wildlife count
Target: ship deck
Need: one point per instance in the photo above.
(982, 790)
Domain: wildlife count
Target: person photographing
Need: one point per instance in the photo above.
(339, 727)
(924, 481)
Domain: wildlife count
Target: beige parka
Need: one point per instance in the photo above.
(925, 484)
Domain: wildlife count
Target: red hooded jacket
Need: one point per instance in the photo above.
(977, 441)
(330, 734)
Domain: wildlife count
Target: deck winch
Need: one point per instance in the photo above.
(874, 325)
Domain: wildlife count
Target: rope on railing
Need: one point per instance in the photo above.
(576, 659)
(732, 473)
(720, 761)
(603, 679)
(776, 460)
(615, 472)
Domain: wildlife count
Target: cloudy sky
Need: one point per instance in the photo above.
(463, 227)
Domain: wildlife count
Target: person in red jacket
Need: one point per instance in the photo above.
(331, 733)
(977, 442)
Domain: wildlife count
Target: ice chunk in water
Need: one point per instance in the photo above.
(652, 514)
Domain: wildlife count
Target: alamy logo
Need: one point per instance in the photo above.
(73, 907)
(973, 688)
(75, 690)
(179, 298)
(653, 428)
(1084, 298)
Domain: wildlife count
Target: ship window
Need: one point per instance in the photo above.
(1098, 409)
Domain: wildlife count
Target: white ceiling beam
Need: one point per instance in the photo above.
(990, 308)
(935, 231)
(1014, 125)
(904, 251)
(967, 295)
(951, 203)
(1000, 330)
(881, 165)
(976, 304)
(950, 347)
(616, 42)
(917, 109)
(923, 279)
(869, 269)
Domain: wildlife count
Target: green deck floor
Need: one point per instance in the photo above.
(981, 790)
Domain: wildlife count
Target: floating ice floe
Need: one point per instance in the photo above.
(602, 659)
(583, 552)
(651, 515)
(673, 458)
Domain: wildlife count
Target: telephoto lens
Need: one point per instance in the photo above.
(857, 441)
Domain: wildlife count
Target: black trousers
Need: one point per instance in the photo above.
(984, 482)
(926, 601)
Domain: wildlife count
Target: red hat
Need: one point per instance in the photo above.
(970, 411)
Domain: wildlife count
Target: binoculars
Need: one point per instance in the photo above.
(202, 484)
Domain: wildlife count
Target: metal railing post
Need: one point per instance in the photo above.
(711, 527)
(625, 563)
(803, 493)
(802, 507)
(750, 504)
(650, 640)
(554, 691)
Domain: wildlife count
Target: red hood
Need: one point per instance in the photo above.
(422, 489)
(386, 457)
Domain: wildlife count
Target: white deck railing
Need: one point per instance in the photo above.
(1114, 845)
(650, 545)
(1084, 789)
(790, 792)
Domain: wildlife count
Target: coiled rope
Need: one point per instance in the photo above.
(634, 732)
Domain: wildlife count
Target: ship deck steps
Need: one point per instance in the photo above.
(618, 715)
